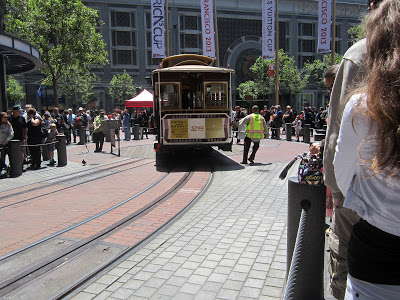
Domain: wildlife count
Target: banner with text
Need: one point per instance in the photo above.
(207, 24)
(324, 26)
(157, 28)
(268, 29)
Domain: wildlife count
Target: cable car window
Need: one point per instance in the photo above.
(216, 94)
(169, 95)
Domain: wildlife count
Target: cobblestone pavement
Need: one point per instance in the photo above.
(230, 245)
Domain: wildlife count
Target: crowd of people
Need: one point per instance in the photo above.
(36, 130)
(277, 120)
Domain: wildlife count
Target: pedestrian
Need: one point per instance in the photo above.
(256, 129)
(98, 134)
(6, 134)
(50, 140)
(287, 117)
(67, 125)
(89, 123)
(297, 128)
(20, 128)
(350, 73)
(126, 119)
(35, 138)
(71, 120)
(80, 125)
(367, 165)
(145, 118)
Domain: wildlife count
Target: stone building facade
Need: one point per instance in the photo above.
(127, 33)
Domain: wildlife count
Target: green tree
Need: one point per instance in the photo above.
(358, 32)
(80, 83)
(291, 81)
(63, 30)
(15, 92)
(121, 87)
(316, 70)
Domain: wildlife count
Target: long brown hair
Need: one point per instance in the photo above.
(383, 83)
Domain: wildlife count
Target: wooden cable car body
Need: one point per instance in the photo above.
(192, 104)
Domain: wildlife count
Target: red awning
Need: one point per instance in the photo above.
(144, 99)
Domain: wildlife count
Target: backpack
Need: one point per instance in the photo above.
(311, 170)
(78, 121)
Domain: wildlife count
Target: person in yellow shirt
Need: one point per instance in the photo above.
(256, 129)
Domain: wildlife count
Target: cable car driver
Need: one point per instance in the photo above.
(256, 129)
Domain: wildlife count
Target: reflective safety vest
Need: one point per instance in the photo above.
(255, 128)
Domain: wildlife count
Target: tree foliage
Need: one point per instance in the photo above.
(317, 69)
(358, 32)
(80, 83)
(15, 92)
(63, 30)
(122, 87)
(291, 81)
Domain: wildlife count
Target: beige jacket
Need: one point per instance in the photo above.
(350, 73)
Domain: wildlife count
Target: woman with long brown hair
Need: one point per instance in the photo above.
(367, 163)
(6, 134)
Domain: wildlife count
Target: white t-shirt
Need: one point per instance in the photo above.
(375, 197)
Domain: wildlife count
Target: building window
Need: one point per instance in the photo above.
(307, 29)
(123, 38)
(284, 36)
(190, 40)
(306, 46)
(123, 19)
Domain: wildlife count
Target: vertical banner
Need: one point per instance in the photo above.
(268, 29)
(207, 24)
(157, 29)
(324, 26)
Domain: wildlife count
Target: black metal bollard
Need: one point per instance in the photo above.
(61, 150)
(310, 268)
(15, 156)
(306, 133)
(288, 130)
(82, 135)
(136, 132)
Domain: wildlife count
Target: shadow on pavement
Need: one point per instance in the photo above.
(183, 161)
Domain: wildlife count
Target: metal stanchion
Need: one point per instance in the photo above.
(15, 157)
(288, 130)
(306, 133)
(106, 129)
(61, 150)
(310, 264)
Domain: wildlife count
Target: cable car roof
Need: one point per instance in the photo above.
(194, 68)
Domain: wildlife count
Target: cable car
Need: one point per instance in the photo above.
(192, 104)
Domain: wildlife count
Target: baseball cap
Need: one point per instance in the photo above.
(17, 107)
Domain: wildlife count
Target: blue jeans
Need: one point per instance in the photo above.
(127, 133)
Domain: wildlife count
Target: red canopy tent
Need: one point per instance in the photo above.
(144, 99)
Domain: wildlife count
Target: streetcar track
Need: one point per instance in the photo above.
(58, 257)
(135, 248)
(62, 178)
(73, 186)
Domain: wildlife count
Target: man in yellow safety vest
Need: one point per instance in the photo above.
(256, 129)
